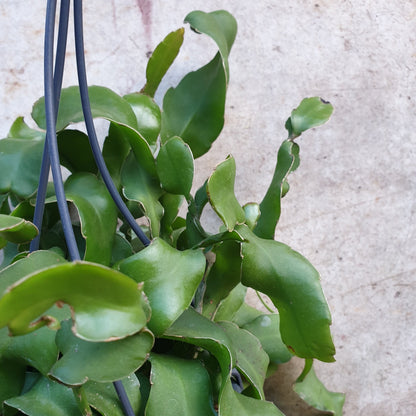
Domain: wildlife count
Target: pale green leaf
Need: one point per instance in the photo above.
(17, 230)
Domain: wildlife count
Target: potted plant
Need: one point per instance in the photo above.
(159, 310)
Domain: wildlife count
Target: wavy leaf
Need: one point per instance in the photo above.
(175, 166)
(107, 304)
(221, 26)
(17, 230)
(194, 110)
(220, 190)
(292, 284)
(161, 60)
(179, 388)
(270, 207)
(104, 104)
(170, 278)
(83, 360)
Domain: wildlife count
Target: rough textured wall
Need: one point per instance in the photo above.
(352, 205)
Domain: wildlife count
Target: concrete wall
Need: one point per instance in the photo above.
(352, 205)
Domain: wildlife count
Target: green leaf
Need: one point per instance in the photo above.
(104, 104)
(107, 304)
(148, 116)
(266, 329)
(20, 130)
(139, 185)
(161, 60)
(20, 161)
(220, 189)
(179, 388)
(37, 349)
(312, 112)
(311, 389)
(83, 360)
(232, 303)
(9, 251)
(270, 207)
(75, 152)
(251, 360)
(245, 315)
(221, 26)
(171, 205)
(46, 398)
(194, 110)
(17, 230)
(175, 166)
(97, 212)
(223, 276)
(170, 278)
(12, 377)
(103, 396)
(293, 285)
(252, 213)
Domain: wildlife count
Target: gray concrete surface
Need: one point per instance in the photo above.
(352, 205)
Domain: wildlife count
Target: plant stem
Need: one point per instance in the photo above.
(82, 401)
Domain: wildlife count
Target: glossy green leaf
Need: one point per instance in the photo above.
(104, 104)
(83, 360)
(235, 404)
(20, 130)
(312, 112)
(266, 329)
(175, 166)
(139, 185)
(161, 60)
(17, 230)
(103, 396)
(311, 389)
(232, 303)
(252, 213)
(107, 304)
(171, 204)
(251, 360)
(223, 276)
(97, 212)
(220, 25)
(170, 278)
(148, 116)
(220, 189)
(270, 207)
(121, 248)
(37, 349)
(46, 398)
(293, 285)
(20, 161)
(194, 110)
(75, 152)
(179, 388)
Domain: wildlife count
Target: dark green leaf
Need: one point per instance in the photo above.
(106, 303)
(311, 389)
(147, 114)
(97, 212)
(194, 110)
(231, 304)
(98, 361)
(221, 26)
(312, 112)
(170, 278)
(75, 152)
(121, 248)
(103, 396)
(223, 276)
(179, 388)
(175, 166)
(171, 204)
(161, 60)
(220, 189)
(251, 360)
(46, 398)
(266, 329)
(270, 207)
(139, 185)
(12, 377)
(20, 161)
(17, 230)
(104, 104)
(293, 285)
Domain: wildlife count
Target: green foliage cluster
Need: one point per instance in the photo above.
(170, 319)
